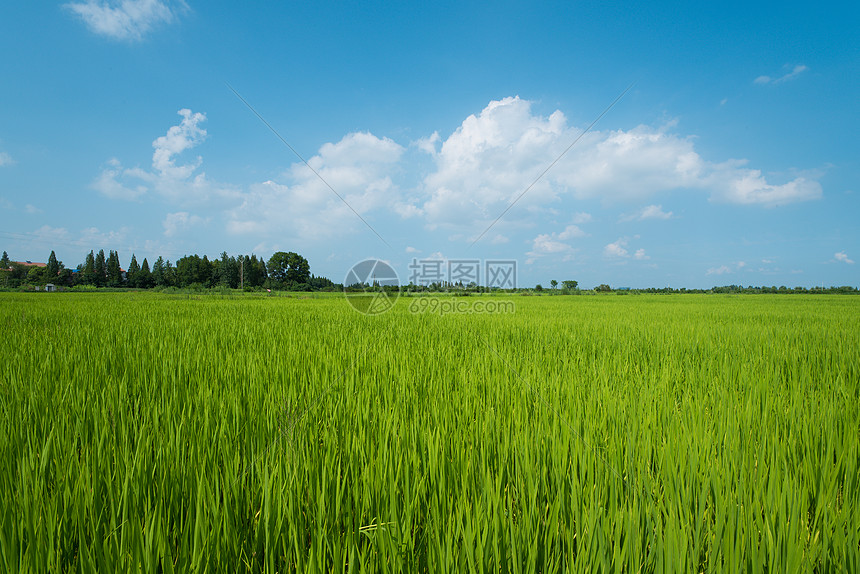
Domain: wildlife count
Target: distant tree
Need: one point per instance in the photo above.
(88, 270)
(100, 269)
(255, 271)
(207, 276)
(169, 273)
(16, 275)
(186, 270)
(289, 270)
(66, 277)
(322, 284)
(538, 287)
(132, 275)
(192, 270)
(144, 276)
(52, 269)
(4, 261)
(603, 288)
(553, 283)
(569, 285)
(158, 277)
(227, 271)
(35, 275)
(114, 270)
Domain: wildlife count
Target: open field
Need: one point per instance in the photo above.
(637, 433)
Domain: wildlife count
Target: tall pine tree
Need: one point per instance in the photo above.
(114, 271)
(158, 272)
(100, 269)
(133, 271)
(52, 269)
(88, 271)
(144, 277)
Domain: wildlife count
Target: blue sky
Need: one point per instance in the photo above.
(731, 160)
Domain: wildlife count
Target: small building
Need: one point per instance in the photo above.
(50, 287)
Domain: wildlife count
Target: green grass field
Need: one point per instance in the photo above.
(147, 432)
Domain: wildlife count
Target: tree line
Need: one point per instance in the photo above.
(283, 270)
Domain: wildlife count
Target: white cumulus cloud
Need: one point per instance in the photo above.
(177, 182)
(357, 167)
(749, 187)
(186, 135)
(617, 248)
(843, 257)
(554, 244)
(493, 157)
(126, 19)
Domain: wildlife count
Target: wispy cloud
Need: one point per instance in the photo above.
(843, 257)
(175, 223)
(649, 212)
(721, 270)
(108, 184)
(126, 19)
(794, 73)
(6, 159)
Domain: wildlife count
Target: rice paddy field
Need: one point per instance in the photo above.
(653, 433)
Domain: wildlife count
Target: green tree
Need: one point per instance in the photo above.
(227, 271)
(100, 277)
(35, 275)
(114, 270)
(255, 271)
(569, 285)
(191, 270)
(158, 277)
(144, 276)
(17, 274)
(52, 269)
(132, 275)
(553, 283)
(206, 275)
(4, 261)
(169, 274)
(288, 270)
(65, 277)
(88, 270)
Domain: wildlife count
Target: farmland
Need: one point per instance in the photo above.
(150, 432)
